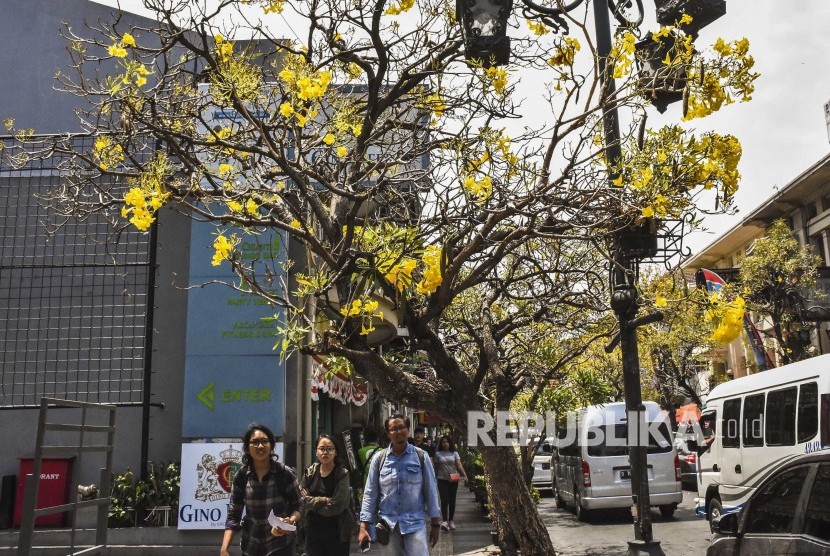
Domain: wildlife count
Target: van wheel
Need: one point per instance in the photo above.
(581, 512)
(667, 511)
(560, 502)
(715, 511)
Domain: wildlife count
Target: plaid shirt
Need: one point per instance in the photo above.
(278, 491)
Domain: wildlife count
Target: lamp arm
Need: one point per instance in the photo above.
(551, 17)
(617, 9)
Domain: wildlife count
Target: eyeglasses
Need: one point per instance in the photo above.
(398, 428)
(260, 442)
(325, 449)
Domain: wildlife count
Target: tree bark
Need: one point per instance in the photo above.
(511, 501)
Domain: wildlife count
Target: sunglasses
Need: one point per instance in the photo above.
(260, 442)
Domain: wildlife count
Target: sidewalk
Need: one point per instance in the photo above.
(470, 538)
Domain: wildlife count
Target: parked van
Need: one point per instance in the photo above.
(754, 424)
(591, 467)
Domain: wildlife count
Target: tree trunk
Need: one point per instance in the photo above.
(511, 501)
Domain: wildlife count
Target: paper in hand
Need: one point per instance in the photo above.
(274, 521)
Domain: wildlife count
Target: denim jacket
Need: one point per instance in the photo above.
(397, 492)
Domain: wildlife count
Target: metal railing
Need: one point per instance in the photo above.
(42, 450)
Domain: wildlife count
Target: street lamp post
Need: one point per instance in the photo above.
(484, 25)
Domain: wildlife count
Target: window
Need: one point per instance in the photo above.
(772, 509)
(615, 441)
(730, 424)
(780, 417)
(825, 203)
(753, 421)
(817, 520)
(811, 210)
(807, 412)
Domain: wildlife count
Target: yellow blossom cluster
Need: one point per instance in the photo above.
(234, 75)
(400, 7)
(434, 102)
(223, 248)
(537, 28)
(720, 82)
(107, 153)
(565, 53)
(364, 308)
(431, 273)
(671, 163)
(119, 48)
(397, 269)
(303, 85)
(274, 6)
(147, 192)
(497, 77)
(621, 56)
(250, 206)
(481, 188)
(726, 318)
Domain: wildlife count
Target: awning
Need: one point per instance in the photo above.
(337, 386)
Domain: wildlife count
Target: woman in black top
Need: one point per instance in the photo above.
(327, 503)
(261, 486)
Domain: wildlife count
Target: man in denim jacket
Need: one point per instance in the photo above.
(403, 493)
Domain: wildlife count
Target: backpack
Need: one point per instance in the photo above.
(369, 457)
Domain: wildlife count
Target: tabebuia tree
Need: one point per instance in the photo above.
(405, 176)
(777, 274)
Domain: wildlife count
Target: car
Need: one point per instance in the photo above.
(789, 513)
(541, 466)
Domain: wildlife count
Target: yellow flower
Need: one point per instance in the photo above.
(287, 75)
(286, 109)
(135, 197)
(235, 206)
(128, 40)
(498, 78)
(274, 7)
(404, 6)
(225, 170)
(432, 277)
(342, 151)
(296, 224)
(538, 29)
(328, 139)
(222, 249)
(117, 50)
(251, 207)
(648, 212)
(660, 301)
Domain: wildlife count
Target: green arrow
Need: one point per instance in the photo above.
(207, 396)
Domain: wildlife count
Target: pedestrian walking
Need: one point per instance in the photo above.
(449, 472)
(261, 486)
(325, 488)
(401, 496)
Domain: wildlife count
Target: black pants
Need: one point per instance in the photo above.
(325, 543)
(447, 491)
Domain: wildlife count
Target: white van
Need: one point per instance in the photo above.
(754, 424)
(591, 467)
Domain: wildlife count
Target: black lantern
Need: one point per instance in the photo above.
(484, 26)
(703, 12)
(638, 241)
(659, 82)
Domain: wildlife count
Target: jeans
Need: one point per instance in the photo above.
(447, 490)
(412, 544)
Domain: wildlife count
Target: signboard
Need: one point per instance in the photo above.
(208, 469)
(232, 376)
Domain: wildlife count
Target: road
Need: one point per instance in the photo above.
(607, 532)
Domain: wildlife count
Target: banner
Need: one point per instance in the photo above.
(208, 469)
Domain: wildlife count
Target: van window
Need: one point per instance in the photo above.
(807, 412)
(619, 446)
(730, 423)
(780, 417)
(754, 420)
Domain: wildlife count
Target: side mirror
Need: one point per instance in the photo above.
(546, 448)
(726, 524)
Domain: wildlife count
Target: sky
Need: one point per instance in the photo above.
(783, 129)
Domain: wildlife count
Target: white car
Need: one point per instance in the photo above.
(541, 465)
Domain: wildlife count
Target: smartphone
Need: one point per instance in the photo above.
(365, 545)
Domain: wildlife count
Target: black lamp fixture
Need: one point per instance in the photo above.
(484, 27)
(661, 83)
(702, 12)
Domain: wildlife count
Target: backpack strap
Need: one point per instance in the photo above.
(421, 460)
